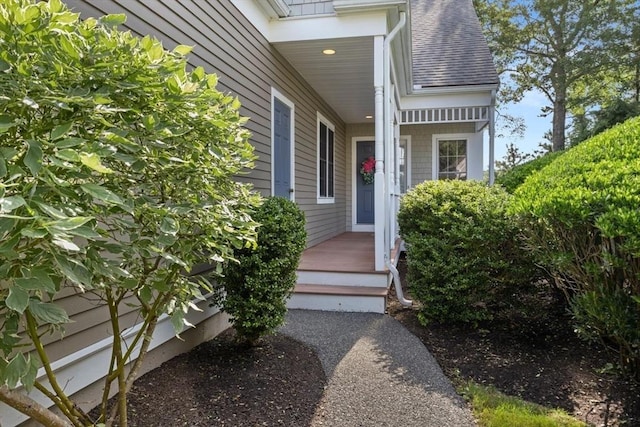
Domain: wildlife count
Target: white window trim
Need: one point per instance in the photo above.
(277, 94)
(329, 125)
(436, 138)
(407, 138)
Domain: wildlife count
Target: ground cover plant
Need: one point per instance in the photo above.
(116, 176)
(494, 409)
(581, 221)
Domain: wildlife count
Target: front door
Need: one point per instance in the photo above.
(281, 149)
(365, 150)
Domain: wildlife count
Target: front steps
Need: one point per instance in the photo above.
(340, 291)
(368, 299)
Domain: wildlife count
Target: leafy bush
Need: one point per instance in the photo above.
(257, 286)
(463, 252)
(514, 177)
(116, 176)
(583, 223)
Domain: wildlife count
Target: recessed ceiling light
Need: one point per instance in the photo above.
(329, 52)
(368, 117)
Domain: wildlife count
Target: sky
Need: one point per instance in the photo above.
(529, 109)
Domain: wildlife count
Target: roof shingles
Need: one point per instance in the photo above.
(448, 46)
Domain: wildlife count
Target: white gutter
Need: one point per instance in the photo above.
(388, 129)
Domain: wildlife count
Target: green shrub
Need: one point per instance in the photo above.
(582, 220)
(118, 172)
(258, 285)
(463, 253)
(514, 177)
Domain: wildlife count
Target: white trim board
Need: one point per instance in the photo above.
(277, 94)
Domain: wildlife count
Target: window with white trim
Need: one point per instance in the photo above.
(326, 160)
(452, 159)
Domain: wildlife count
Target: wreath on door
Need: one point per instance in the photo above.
(368, 169)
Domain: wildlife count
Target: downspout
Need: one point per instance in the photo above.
(388, 128)
(492, 132)
(398, 285)
(388, 137)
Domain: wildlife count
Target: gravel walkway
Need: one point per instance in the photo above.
(378, 373)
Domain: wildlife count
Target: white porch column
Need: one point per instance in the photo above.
(379, 190)
(492, 132)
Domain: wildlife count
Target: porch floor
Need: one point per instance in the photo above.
(348, 252)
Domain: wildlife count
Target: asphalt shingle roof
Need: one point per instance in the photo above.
(448, 46)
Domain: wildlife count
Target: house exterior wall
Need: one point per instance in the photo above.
(227, 44)
(248, 67)
(422, 149)
(421, 155)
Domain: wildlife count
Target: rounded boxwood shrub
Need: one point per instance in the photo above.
(514, 177)
(582, 222)
(463, 253)
(256, 287)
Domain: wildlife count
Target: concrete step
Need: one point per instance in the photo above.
(341, 278)
(371, 299)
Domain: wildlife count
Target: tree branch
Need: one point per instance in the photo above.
(30, 407)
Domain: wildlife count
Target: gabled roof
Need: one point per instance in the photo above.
(448, 46)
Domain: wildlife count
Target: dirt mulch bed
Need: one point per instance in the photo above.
(538, 358)
(280, 383)
(219, 383)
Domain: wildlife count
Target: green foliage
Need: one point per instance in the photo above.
(566, 49)
(582, 222)
(463, 252)
(495, 409)
(617, 112)
(116, 176)
(514, 177)
(257, 286)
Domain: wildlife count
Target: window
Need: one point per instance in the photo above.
(404, 163)
(452, 159)
(326, 164)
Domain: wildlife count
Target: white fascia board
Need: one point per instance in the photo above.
(313, 27)
(419, 90)
(323, 27)
(446, 100)
(342, 6)
(255, 14)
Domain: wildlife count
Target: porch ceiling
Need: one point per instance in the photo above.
(344, 80)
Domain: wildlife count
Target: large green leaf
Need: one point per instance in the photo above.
(33, 157)
(15, 369)
(74, 271)
(46, 312)
(6, 123)
(11, 203)
(36, 279)
(68, 224)
(60, 130)
(92, 161)
(101, 193)
(18, 299)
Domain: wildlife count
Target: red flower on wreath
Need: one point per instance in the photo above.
(368, 169)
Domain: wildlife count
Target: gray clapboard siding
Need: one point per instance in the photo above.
(247, 67)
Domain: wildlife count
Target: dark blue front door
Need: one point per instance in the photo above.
(364, 192)
(281, 149)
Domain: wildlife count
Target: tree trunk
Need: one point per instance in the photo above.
(30, 407)
(559, 122)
